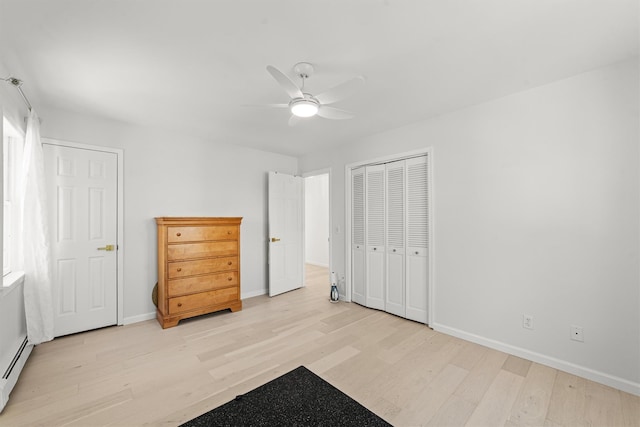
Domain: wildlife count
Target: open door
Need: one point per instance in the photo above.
(82, 190)
(286, 233)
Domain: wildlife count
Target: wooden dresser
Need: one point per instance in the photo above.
(198, 267)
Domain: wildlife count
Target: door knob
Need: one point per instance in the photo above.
(275, 239)
(107, 248)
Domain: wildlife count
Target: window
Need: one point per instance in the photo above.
(12, 145)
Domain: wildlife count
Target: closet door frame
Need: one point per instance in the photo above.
(428, 151)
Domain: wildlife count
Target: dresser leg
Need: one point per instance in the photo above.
(168, 322)
(236, 306)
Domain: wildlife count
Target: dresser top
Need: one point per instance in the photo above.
(200, 220)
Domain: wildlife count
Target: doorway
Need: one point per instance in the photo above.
(317, 228)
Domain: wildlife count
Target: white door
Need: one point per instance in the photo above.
(358, 216)
(417, 279)
(395, 256)
(375, 260)
(82, 195)
(286, 233)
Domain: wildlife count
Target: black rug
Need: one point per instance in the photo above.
(298, 398)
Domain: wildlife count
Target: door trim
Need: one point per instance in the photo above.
(120, 212)
(428, 151)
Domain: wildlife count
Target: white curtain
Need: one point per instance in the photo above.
(36, 262)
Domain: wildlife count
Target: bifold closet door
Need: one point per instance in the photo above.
(390, 237)
(395, 242)
(358, 248)
(375, 254)
(417, 273)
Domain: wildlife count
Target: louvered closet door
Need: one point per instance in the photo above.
(358, 248)
(375, 219)
(395, 242)
(417, 239)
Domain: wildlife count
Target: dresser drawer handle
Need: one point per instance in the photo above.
(228, 231)
(229, 263)
(179, 304)
(178, 234)
(229, 278)
(179, 269)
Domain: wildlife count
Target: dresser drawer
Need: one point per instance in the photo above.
(201, 266)
(191, 302)
(177, 252)
(207, 282)
(196, 234)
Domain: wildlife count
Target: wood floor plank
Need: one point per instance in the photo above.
(517, 365)
(496, 404)
(602, 405)
(405, 372)
(481, 376)
(454, 412)
(630, 409)
(567, 403)
(424, 404)
(532, 404)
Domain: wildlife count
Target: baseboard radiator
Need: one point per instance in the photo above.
(12, 372)
(14, 345)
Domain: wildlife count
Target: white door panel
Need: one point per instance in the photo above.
(417, 279)
(286, 236)
(395, 232)
(358, 218)
(82, 192)
(417, 239)
(375, 277)
(375, 224)
(359, 272)
(394, 301)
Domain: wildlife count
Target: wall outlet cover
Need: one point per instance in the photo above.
(577, 333)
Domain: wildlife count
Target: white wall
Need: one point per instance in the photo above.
(175, 175)
(316, 193)
(536, 211)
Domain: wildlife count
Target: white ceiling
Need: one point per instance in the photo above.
(193, 66)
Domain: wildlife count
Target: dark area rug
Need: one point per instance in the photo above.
(297, 398)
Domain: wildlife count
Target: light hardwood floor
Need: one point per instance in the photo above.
(406, 373)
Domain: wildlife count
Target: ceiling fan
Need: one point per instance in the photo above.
(303, 104)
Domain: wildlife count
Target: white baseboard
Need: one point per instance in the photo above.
(139, 318)
(581, 371)
(252, 294)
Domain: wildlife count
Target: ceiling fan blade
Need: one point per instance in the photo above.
(287, 84)
(334, 113)
(340, 92)
(266, 105)
(294, 120)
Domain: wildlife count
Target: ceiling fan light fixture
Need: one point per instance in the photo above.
(304, 107)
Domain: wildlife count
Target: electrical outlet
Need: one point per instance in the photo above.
(577, 334)
(527, 321)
